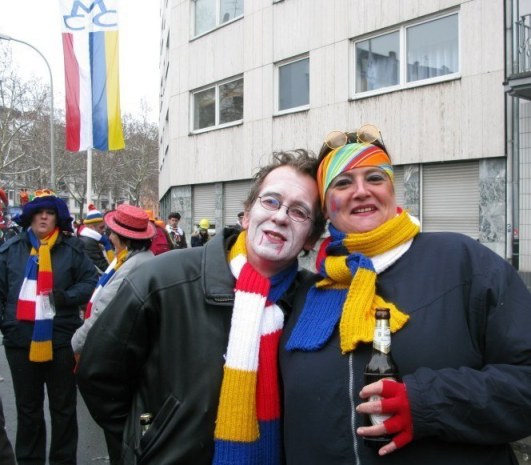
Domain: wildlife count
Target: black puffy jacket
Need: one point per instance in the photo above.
(464, 356)
(74, 277)
(159, 348)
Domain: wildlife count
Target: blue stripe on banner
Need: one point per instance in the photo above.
(98, 70)
(43, 330)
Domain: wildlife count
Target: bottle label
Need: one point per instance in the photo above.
(377, 418)
(382, 339)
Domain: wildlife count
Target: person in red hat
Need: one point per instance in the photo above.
(131, 234)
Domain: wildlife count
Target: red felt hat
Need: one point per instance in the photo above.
(131, 222)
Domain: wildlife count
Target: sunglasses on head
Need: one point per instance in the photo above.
(366, 134)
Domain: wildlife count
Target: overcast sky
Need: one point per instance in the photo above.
(38, 22)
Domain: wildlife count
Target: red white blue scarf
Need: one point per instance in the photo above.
(38, 280)
(105, 278)
(102, 239)
(248, 422)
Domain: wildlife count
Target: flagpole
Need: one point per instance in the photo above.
(89, 176)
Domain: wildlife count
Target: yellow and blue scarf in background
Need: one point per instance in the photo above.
(38, 278)
(347, 292)
(248, 420)
(102, 239)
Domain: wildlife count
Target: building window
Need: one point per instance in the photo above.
(413, 53)
(218, 105)
(209, 14)
(294, 85)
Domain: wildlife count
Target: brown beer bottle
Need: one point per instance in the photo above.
(380, 366)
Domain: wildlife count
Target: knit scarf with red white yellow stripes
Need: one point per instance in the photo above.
(248, 421)
(38, 280)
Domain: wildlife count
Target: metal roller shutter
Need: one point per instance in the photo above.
(450, 198)
(204, 203)
(234, 195)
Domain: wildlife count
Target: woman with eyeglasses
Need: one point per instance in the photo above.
(460, 323)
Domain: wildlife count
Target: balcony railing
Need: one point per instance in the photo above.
(522, 55)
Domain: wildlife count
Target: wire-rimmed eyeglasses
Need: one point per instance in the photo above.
(295, 212)
(366, 134)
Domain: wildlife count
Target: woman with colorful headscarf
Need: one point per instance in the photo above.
(460, 323)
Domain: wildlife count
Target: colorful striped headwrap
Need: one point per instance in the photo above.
(102, 239)
(347, 157)
(105, 278)
(248, 420)
(347, 292)
(38, 278)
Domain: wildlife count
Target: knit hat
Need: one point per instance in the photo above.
(93, 215)
(131, 222)
(45, 198)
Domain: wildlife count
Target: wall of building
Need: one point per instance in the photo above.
(442, 122)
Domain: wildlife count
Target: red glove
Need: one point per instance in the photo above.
(396, 403)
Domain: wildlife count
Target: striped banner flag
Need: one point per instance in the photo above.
(90, 45)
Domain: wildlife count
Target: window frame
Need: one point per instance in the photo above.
(280, 64)
(403, 84)
(215, 86)
(218, 24)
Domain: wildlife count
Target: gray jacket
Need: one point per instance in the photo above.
(106, 294)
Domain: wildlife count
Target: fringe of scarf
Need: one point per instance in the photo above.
(347, 292)
(105, 278)
(248, 420)
(38, 279)
(102, 239)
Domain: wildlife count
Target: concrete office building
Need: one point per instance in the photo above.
(243, 78)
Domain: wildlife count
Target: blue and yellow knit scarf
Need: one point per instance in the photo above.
(248, 421)
(102, 239)
(38, 280)
(347, 292)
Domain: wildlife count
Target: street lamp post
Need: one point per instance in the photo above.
(52, 143)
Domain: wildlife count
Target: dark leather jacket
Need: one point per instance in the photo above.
(159, 348)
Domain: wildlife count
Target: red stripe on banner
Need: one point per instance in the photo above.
(251, 281)
(26, 310)
(73, 116)
(45, 281)
(267, 391)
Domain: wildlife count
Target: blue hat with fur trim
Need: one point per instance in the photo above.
(46, 198)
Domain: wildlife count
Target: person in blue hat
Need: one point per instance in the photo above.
(45, 276)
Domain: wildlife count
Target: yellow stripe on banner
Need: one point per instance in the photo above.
(116, 137)
(237, 420)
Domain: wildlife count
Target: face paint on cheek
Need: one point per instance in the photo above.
(334, 204)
